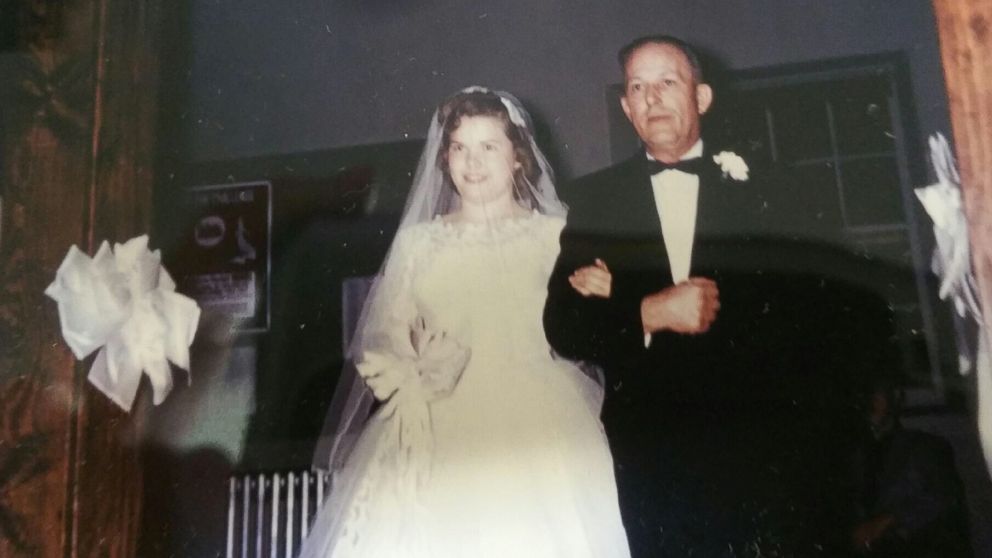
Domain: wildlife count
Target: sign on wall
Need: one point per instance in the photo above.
(225, 259)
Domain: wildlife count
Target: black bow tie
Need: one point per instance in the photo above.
(690, 166)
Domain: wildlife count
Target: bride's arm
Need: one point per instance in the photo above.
(383, 350)
(400, 351)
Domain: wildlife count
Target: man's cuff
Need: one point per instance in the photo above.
(647, 340)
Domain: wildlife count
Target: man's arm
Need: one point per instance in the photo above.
(590, 328)
(598, 328)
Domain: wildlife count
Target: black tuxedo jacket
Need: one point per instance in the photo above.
(708, 429)
(777, 319)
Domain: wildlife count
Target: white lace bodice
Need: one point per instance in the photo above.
(484, 284)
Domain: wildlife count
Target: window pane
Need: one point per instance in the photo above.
(741, 125)
(871, 191)
(800, 123)
(861, 117)
(818, 186)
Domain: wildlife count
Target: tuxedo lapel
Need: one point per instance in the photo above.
(712, 200)
(633, 210)
(636, 216)
(707, 218)
(641, 214)
(724, 205)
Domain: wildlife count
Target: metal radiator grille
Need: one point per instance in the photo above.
(269, 514)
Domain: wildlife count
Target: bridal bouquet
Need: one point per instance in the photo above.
(123, 302)
(431, 373)
(408, 384)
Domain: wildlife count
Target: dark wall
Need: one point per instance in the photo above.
(299, 75)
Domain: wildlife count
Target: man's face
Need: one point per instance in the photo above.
(663, 101)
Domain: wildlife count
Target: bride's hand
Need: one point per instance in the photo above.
(383, 373)
(593, 280)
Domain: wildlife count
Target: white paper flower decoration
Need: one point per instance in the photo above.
(124, 303)
(952, 263)
(732, 164)
(952, 257)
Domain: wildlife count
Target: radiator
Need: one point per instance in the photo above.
(268, 514)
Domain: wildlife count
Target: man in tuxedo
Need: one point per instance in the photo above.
(667, 279)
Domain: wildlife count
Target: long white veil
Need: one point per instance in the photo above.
(431, 195)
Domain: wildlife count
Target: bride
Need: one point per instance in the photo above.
(486, 444)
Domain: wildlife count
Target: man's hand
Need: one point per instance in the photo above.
(592, 280)
(689, 307)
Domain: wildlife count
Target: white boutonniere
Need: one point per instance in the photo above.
(731, 164)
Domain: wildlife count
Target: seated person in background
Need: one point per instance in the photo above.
(910, 500)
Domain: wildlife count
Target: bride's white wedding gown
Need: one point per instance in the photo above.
(519, 464)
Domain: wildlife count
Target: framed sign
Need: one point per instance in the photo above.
(226, 251)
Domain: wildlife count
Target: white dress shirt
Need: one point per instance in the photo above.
(676, 197)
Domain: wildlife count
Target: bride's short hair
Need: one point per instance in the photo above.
(486, 103)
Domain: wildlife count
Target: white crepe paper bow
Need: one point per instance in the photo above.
(952, 263)
(124, 303)
(408, 384)
(952, 257)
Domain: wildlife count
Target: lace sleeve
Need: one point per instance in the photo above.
(386, 313)
(404, 363)
(385, 324)
(401, 352)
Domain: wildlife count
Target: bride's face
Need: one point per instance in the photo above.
(481, 160)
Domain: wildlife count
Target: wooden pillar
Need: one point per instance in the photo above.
(78, 106)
